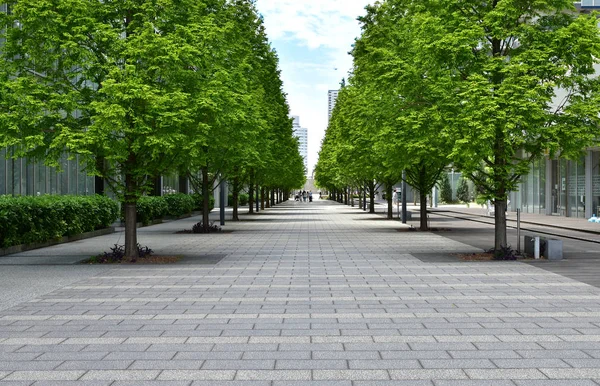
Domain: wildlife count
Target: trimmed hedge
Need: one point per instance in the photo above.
(149, 208)
(31, 219)
(179, 204)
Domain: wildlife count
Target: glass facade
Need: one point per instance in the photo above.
(23, 177)
(532, 193)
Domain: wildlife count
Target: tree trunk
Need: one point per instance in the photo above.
(236, 198)
(390, 205)
(131, 249)
(251, 198)
(372, 197)
(262, 198)
(423, 214)
(500, 224)
(205, 200)
(268, 198)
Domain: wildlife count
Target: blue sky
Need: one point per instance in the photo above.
(312, 39)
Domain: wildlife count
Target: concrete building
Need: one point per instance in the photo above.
(331, 98)
(302, 134)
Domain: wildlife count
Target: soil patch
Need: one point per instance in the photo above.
(154, 259)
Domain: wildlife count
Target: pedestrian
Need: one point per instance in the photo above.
(395, 197)
(304, 195)
(310, 196)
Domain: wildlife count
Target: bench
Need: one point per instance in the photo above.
(552, 249)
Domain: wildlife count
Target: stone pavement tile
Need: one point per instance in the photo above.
(312, 383)
(457, 364)
(394, 383)
(531, 363)
(196, 375)
(150, 383)
(548, 382)
(578, 363)
(44, 376)
(114, 347)
(95, 365)
(166, 365)
(507, 373)
(238, 365)
(71, 383)
(206, 355)
(120, 375)
(139, 355)
(30, 365)
(384, 364)
(232, 383)
(274, 375)
(283, 355)
(353, 375)
(428, 374)
(557, 354)
(495, 382)
(571, 373)
(486, 354)
(18, 383)
(314, 364)
(415, 354)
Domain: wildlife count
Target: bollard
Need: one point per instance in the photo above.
(536, 247)
(519, 230)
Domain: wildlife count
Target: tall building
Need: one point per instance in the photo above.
(331, 97)
(302, 134)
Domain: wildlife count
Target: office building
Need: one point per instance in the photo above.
(302, 134)
(331, 98)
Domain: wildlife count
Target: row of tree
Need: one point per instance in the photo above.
(486, 87)
(142, 88)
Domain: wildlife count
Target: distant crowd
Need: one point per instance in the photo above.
(303, 195)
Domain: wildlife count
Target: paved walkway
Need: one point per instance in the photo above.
(300, 294)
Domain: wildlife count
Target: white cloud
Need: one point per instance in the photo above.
(329, 26)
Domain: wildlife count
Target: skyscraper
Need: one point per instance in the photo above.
(331, 97)
(302, 135)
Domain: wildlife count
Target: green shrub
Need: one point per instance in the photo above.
(28, 219)
(179, 204)
(150, 208)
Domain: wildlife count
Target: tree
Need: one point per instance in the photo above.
(462, 192)
(137, 89)
(445, 189)
(522, 84)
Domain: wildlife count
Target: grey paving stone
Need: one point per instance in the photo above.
(196, 375)
(352, 375)
(274, 375)
(43, 376)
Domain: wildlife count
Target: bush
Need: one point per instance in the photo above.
(29, 219)
(179, 204)
(150, 208)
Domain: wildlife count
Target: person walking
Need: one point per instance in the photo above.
(310, 196)
(304, 195)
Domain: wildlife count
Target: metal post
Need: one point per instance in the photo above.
(222, 200)
(257, 198)
(403, 192)
(518, 230)
(536, 247)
